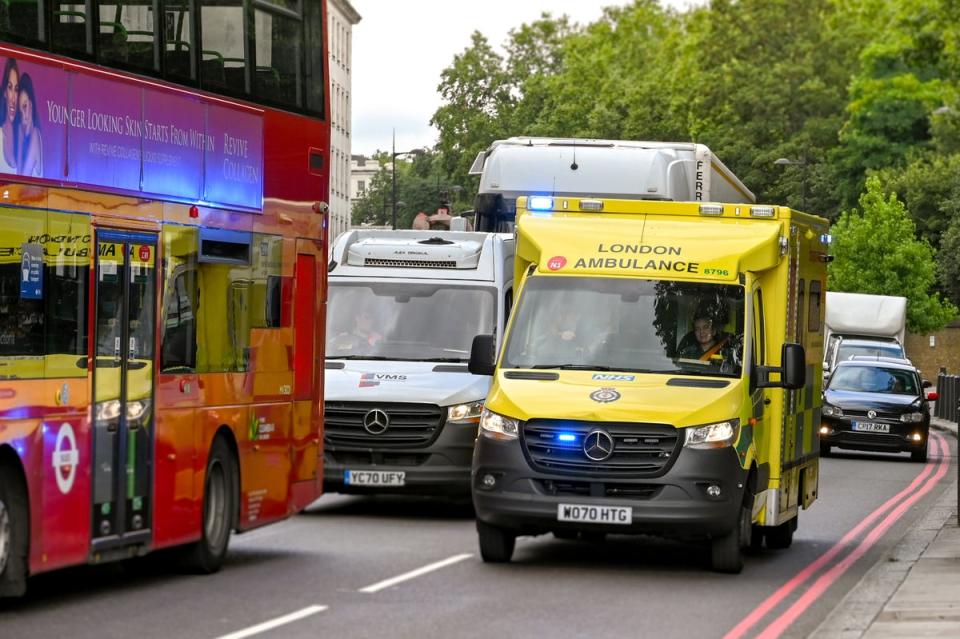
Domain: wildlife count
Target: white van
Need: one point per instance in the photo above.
(401, 409)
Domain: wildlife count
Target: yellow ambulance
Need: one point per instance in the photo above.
(661, 374)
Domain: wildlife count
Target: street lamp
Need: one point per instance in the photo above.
(393, 169)
(803, 183)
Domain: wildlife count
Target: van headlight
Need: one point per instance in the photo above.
(497, 426)
(468, 413)
(911, 418)
(832, 411)
(719, 435)
(108, 410)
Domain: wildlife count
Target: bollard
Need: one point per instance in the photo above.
(938, 405)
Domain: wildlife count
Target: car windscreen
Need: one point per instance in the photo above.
(407, 320)
(846, 351)
(874, 379)
(627, 324)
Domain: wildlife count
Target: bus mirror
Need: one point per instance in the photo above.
(793, 366)
(482, 355)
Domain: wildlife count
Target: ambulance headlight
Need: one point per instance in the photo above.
(496, 426)
(468, 413)
(719, 435)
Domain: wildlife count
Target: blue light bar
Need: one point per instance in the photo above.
(540, 203)
(567, 437)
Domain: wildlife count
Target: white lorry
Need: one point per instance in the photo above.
(677, 171)
(860, 324)
(401, 409)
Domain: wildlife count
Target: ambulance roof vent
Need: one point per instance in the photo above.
(414, 251)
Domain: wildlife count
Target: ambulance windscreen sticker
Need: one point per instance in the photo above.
(605, 395)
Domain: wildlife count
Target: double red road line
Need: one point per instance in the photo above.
(897, 506)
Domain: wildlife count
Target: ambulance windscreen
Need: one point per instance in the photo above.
(618, 324)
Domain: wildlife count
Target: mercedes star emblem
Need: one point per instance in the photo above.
(598, 445)
(376, 422)
(605, 395)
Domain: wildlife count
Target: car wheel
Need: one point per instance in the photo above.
(14, 534)
(496, 544)
(919, 455)
(825, 450)
(726, 553)
(219, 511)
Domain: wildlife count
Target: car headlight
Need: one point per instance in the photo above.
(832, 411)
(911, 418)
(137, 409)
(108, 411)
(468, 413)
(719, 435)
(497, 426)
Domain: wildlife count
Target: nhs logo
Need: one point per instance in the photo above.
(611, 377)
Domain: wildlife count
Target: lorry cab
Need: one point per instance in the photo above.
(401, 408)
(660, 375)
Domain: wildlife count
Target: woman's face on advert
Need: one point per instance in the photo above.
(26, 113)
(10, 93)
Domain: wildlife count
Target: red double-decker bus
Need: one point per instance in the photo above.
(163, 172)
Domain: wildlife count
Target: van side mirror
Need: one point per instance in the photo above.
(792, 370)
(793, 366)
(483, 355)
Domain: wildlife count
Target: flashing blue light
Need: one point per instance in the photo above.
(567, 437)
(540, 203)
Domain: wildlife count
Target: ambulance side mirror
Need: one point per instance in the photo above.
(793, 366)
(792, 370)
(483, 355)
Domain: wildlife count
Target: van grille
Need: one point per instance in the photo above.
(639, 450)
(410, 425)
(370, 261)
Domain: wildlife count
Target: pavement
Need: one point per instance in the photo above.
(915, 590)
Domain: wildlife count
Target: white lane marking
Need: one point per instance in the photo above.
(274, 623)
(380, 585)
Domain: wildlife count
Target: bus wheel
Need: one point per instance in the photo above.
(726, 553)
(13, 534)
(219, 510)
(496, 544)
(781, 537)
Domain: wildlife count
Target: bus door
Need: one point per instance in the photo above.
(123, 424)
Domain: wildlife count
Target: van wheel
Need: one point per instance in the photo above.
(919, 455)
(726, 553)
(496, 544)
(220, 496)
(781, 537)
(14, 534)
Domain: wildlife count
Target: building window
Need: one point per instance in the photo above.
(361, 187)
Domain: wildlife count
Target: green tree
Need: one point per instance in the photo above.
(876, 251)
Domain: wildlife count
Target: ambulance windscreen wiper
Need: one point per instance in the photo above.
(575, 367)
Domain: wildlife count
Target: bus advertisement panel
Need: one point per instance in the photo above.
(162, 304)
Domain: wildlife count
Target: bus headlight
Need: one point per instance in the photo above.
(497, 426)
(911, 418)
(719, 435)
(468, 413)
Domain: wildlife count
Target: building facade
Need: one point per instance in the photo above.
(341, 16)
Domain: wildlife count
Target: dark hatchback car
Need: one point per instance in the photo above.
(876, 405)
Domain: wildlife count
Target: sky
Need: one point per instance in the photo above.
(400, 49)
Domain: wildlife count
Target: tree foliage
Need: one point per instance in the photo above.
(876, 251)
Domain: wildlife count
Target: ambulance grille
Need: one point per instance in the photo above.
(410, 263)
(639, 450)
(409, 425)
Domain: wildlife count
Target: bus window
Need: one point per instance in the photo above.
(178, 40)
(20, 21)
(266, 302)
(278, 55)
(43, 331)
(69, 28)
(179, 342)
(126, 34)
(223, 64)
(314, 83)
